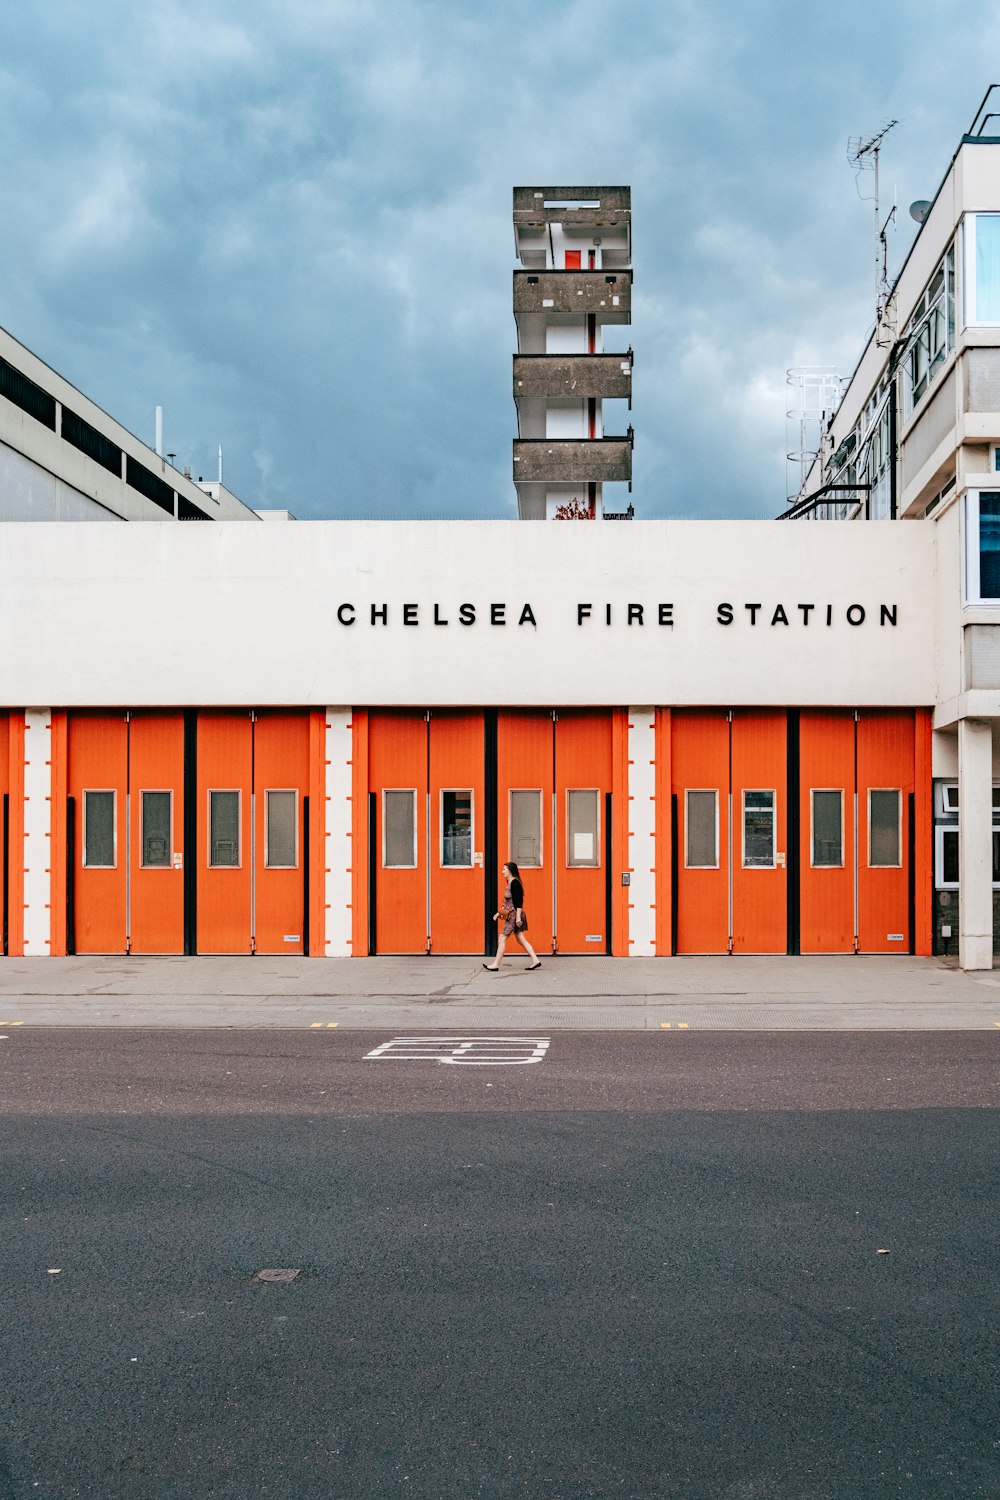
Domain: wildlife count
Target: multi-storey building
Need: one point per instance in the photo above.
(916, 436)
(64, 459)
(574, 245)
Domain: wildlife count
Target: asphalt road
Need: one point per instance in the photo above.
(645, 1266)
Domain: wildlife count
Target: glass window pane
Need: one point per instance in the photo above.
(701, 831)
(883, 828)
(526, 829)
(156, 830)
(987, 268)
(996, 856)
(456, 828)
(224, 830)
(827, 829)
(989, 545)
(758, 830)
(949, 856)
(582, 813)
(281, 812)
(400, 829)
(99, 830)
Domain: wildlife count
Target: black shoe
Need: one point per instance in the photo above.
(537, 965)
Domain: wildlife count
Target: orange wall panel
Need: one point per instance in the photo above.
(15, 874)
(156, 764)
(98, 762)
(584, 760)
(281, 763)
(456, 761)
(621, 903)
(700, 762)
(760, 896)
(664, 835)
(826, 763)
(225, 763)
(524, 763)
(360, 787)
(397, 759)
(885, 760)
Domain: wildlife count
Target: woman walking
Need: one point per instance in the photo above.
(515, 923)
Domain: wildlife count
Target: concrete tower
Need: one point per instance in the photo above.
(574, 245)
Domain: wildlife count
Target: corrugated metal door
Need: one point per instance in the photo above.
(525, 816)
(156, 833)
(699, 758)
(759, 777)
(826, 841)
(397, 779)
(281, 785)
(457, 812)
(885, 780)
(581, 846)
(225, 853)
(97, 782)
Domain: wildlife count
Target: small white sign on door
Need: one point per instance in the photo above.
(583, 846)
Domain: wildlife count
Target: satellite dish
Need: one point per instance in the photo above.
(920, 209)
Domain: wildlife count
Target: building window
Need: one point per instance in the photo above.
(827, 829)
(982, 268)
(157, 817)
(399, 830)
(526, 829)
(99, 842)
(583, 829)
(930, 334)
(758, 830)
(701, 830)
(281, 830)
(982, 552)
(884, 829)
(456, 829)
(224, 830)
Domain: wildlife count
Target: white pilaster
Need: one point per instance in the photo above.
(642, 831)
(37, 832)
(975, 844)
(338, 854)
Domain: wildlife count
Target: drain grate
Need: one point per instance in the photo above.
(278, 1273)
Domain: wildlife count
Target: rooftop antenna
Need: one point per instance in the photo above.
(220, 466)
(863, 155)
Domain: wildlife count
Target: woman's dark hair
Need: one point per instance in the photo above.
(512, 867)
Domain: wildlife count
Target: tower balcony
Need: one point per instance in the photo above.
(579, 207)
(605, 294)
(568, 377)
(606, 460)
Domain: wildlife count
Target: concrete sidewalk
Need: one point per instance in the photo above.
(458, 995)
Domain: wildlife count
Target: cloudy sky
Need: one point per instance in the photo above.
(288, 222)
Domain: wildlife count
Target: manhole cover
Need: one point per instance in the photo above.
(277, 1273)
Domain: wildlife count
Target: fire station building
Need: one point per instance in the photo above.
(694, 737)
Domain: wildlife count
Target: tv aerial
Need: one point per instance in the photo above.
(863, 155)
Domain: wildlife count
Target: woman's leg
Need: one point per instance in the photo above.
(501, 945)
(529, 950)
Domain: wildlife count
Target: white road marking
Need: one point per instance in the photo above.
(463, 1051)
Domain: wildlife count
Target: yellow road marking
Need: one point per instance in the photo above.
(665, 1025)
(682, 1026)
(313, 1025)
(331, 1024)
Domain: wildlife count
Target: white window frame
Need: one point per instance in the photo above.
(267, 828)
(969, 272)
(540, 794)
(756, 791)
(899, 830)
(714, 790)
(156, 791)
(812, 828)
(940, 884)
(102, 791)
(239, 826)
(595, 864)
(970, 551)
(416, 831)
(472, 827)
